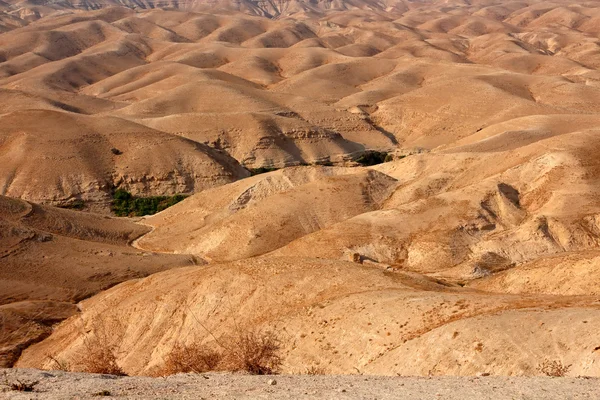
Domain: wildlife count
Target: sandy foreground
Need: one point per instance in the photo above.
(63, 385)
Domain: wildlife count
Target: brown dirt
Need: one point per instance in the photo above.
(59, 385)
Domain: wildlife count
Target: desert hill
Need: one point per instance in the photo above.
(84, 157)
(355, 318)
(394, 187)
(52, 258)
(310, 88)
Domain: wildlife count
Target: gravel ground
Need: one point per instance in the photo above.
(62, 385)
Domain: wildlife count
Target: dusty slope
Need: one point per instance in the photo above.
(336, 315)
(267, 212)
(52, 258)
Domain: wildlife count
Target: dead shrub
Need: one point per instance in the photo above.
(58, 364)
(252, 350)
(100, 348)
(19, 385)
(191, 358)
(554, 368)
(315, 370)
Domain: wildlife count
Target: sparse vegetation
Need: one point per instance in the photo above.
(554, 368)
(100, 348)
(58, 365)
(315, 370)
(191, 358)
(126, 205)
(374, 158)
(253, 351)
(18, 385)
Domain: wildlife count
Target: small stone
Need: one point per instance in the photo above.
(482, 374)
(341, 390)
(272, 382)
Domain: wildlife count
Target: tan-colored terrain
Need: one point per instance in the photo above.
(474, 249)
(52, 258)
(56, 385)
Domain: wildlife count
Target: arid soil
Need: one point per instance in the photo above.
(60, 385)
(472, 247)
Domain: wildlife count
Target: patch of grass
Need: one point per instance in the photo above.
(124, 204)
(21, 386)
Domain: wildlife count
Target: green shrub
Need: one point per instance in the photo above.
(373, 158)
(124, 204)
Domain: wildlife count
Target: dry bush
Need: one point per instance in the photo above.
(191, 358)
(554, 368)
(58, 364)
(315, 370)
(21, 386)
(252, 350)
(18, 385)
(100, 347)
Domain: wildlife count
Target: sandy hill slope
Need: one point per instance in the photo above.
(356, 317)
(58, 157)
(474, 248)
(266, 212)
(52, 258)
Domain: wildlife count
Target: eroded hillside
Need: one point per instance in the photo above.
(473, 249)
